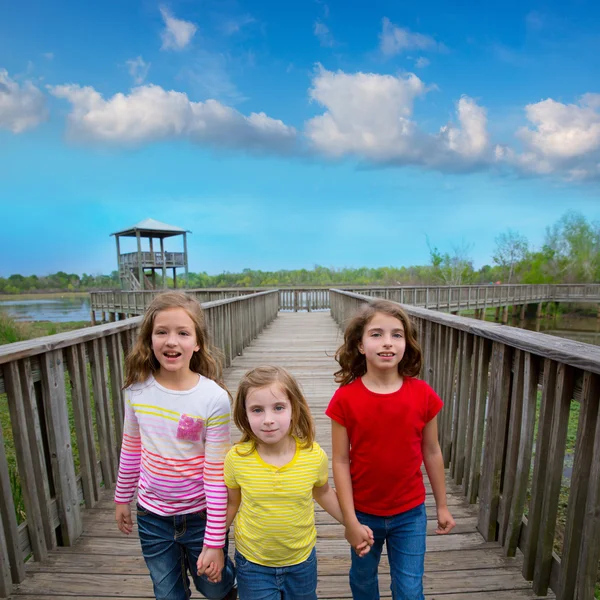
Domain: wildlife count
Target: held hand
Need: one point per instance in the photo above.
(210, 563)
(359, 537)
(364, 547)
(123, 518)
(446, 522)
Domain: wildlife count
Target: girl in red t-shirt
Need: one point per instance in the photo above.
(384, 426)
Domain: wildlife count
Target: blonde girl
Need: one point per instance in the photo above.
(384, 427)
(175, 438)
(272, 476)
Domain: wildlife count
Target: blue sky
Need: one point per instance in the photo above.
(289, 134)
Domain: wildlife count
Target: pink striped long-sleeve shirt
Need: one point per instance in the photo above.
(174, 447)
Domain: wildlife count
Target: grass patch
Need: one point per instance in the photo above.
(17, 331)
(10, 330)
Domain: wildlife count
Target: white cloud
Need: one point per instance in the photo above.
(48, 55)
(22, 107)
(422, 62)
(323, 34)
(562, 139)
(178, 33)
(563, 131)
(236, 24)
(471, 139)
(138, 69)
(150, 113)
(370, 116)
(395, 40)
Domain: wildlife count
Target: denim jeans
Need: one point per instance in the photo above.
(171, 546)
(257, 582)
(404, 535)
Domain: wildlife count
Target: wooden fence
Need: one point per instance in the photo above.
(86, 366)
(497, 384)
(446, 298)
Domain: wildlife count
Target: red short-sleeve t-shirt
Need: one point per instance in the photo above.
(385, 433)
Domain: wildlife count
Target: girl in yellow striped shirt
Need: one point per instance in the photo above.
(272, 476)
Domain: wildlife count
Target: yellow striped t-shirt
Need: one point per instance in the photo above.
(275, 525)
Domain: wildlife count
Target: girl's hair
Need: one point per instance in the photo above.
(354, 364)
(302, 425)
(141, 361)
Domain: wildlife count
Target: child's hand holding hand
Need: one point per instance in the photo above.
(123, 518)
(210, 563)
(359, 537)
(364, 547)
(446, 522)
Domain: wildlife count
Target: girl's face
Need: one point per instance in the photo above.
(383, 342)
(174, 339)
(269, 413)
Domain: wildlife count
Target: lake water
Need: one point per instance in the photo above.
(56, 308)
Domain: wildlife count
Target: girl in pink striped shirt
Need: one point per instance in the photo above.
(175, 438)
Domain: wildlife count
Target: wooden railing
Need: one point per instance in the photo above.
(497, 384)
(465, 297)
(152, 259)
(304, 299)
(136, 302)
(445, 298)
(80, 375)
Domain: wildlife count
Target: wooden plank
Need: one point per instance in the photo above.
(512, 445)
(578, 492)
(553, 479)
(590, 549)
(449, 395)
(474, 376)
(10, 551)
(534, 519)
(466, 367)
(80, 401)
(517, 505)
(20, 430)
(59, 441)
(38, 442)
(485, 352)
(115, 366)
(489, 492)
(99, 382)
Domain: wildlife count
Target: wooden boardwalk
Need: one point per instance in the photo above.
(106, 564)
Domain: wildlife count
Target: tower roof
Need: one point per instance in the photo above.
(151, 228)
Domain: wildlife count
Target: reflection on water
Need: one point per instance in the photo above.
(56, 309)
(573, 327)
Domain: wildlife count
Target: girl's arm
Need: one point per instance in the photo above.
(356, 534)
(434, 464)
(216, 445)
(328, 500)
(129, 468)
(234, 499)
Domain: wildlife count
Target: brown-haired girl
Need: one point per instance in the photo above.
(272, 476)
(384, 426)
(175, 438)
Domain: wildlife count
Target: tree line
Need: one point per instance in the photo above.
(570, 253)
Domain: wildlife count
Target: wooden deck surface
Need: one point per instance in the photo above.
(106, 564)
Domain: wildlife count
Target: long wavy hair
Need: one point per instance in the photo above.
(141, 362)
(302, 425)
(353, 364)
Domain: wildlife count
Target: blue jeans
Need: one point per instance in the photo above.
(257, 582)
(171, 547)
(404, 535)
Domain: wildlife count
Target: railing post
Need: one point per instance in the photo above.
(59, 441)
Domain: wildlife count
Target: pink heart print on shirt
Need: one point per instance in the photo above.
(189, 428)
